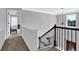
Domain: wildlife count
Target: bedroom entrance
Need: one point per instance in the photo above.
(13, 27)
(13, 24)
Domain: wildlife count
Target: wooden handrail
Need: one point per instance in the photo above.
(48, 31)
(77, 29)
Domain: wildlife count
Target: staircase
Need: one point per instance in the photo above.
(62, 38)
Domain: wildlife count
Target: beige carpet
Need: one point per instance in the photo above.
(53, 49)
(49, 49)
(15, 43)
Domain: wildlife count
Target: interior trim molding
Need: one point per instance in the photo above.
(51, 13)
(40, 11)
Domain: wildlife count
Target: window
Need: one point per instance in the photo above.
(13, 21)
(71, 20)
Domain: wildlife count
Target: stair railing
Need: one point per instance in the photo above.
(63, 37)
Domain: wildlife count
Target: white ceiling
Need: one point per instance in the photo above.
(54, 11)
(14, 12)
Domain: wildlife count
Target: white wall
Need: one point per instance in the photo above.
(41, 22)
(38, 21)
(59, 20)
(2, 26)
(30, 38)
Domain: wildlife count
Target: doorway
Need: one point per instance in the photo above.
(12, 27)
(13, 24)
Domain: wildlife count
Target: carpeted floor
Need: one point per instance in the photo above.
(53, 49)
(49, 49)
(15, 44)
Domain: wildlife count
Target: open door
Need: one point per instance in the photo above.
(13, 21)
(13, 24)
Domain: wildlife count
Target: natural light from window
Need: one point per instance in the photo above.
(71, 20)
(71, 17)
(13, 21)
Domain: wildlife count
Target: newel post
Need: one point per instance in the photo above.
(55, 34)
(39, 42)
